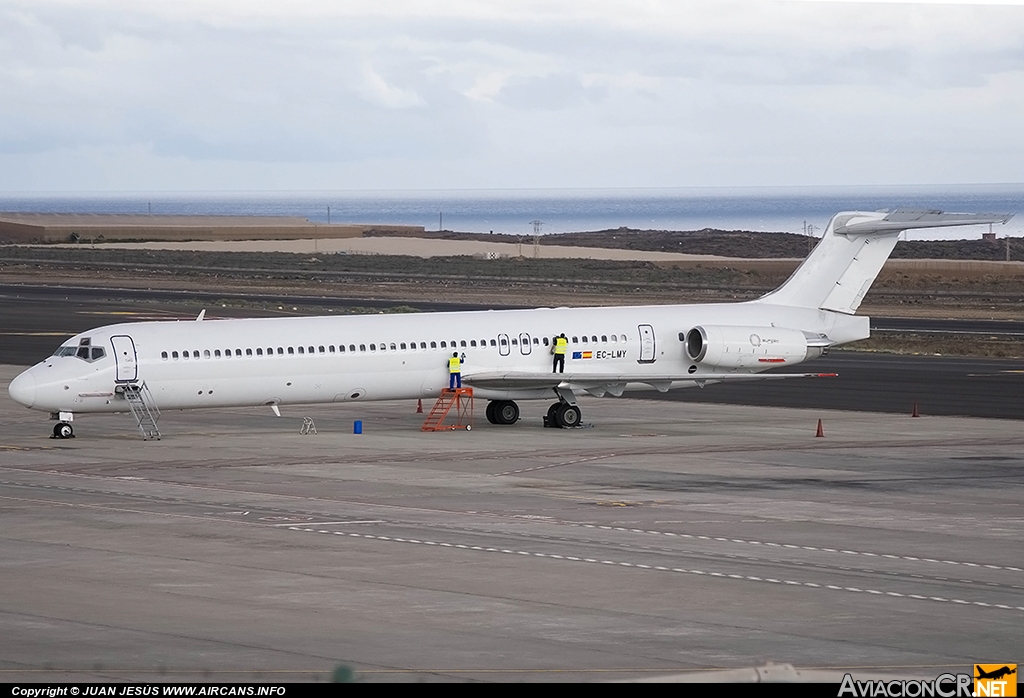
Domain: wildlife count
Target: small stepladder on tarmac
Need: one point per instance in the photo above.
(461, 401)
(143, 408)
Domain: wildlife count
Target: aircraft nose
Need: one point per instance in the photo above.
(23, 389)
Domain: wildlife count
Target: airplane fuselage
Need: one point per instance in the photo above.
(281, 361)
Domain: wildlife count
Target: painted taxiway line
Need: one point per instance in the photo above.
(657, 568)
(791, 546)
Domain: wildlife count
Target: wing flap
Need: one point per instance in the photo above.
(611, 382)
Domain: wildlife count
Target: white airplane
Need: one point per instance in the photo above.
(314, 360)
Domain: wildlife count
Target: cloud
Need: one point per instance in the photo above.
(476, 93)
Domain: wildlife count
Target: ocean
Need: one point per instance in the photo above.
(776, 209)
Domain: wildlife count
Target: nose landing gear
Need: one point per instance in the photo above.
(63, 430)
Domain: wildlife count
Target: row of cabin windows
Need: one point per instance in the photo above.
(383, 347)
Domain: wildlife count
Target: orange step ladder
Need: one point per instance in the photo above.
(461, 399)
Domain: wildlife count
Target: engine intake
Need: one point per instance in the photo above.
(729, 346)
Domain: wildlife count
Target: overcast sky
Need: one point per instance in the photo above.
(125, 95)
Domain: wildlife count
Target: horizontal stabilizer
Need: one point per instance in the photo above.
(911, 219)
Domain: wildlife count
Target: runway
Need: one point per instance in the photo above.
(35, 320)
(665, 538)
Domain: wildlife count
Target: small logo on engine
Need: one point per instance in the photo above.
(755, 340)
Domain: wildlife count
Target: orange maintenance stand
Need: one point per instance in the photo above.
(461, 399)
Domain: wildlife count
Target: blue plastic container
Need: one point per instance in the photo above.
(357, 426)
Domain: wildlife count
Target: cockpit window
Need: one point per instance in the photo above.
(83, 350)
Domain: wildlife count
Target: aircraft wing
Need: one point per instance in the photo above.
(613, 383)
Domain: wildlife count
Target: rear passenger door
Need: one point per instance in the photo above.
(647, 348)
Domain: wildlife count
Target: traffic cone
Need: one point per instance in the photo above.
(821, 429)
(916, 412)
(419, 406)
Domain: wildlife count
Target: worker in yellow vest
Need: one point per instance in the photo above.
(454, 372)
(558, 349)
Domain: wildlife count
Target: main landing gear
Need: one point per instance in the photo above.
(561, 415)
(564, 414)
(502, 412)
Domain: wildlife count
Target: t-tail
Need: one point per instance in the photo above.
(838, 273)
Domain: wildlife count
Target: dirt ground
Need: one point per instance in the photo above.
(961, 289)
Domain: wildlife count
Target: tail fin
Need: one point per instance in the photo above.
(838, 273)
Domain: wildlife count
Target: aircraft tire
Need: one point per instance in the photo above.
(63, 430)
(551, 420)
(490, 412)
(568, 416)
(506, 412)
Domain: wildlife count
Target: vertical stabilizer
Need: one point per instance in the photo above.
(839, 271)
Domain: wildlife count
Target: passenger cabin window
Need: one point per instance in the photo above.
(163, 355)
(174, 355)
(493, 343)
(472, 342)
(604, 338)
(291, 350)
(362, 347)
(322, 350)
(575, 341)
(545, 341)
(259, 351)
(433, 345)
(584, 339)
(330, 348)
(403, 346)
